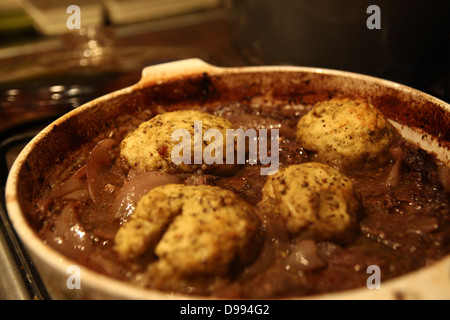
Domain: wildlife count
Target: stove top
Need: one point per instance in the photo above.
(18, 277)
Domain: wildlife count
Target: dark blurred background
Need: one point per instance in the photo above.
(39, 55)
(411, 47)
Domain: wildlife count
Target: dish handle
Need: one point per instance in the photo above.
(176, 69)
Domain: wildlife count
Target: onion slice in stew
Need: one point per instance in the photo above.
(74, 188)
(67, 187)
(303, 256)
(97, 166)
(394, 177)
(133, 189)
(68, 234)
(443, 173)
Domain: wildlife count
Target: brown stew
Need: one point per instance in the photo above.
(404, 225)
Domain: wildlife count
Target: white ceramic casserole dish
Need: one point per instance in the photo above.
(420, 117)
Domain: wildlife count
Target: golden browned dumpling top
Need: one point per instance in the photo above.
(313, 200)
(346, 133)
(150, 146)
(193, 230)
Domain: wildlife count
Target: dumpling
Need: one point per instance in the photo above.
(346, 134)
(150, 146)
(192, 230)
(313, 200)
